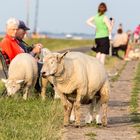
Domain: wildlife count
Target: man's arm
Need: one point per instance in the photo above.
(36, 49)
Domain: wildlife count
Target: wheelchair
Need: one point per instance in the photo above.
(5, 61)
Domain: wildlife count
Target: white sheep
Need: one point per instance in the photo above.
(22, 73)
(78, 78)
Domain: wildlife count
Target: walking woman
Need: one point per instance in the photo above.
(103, 29)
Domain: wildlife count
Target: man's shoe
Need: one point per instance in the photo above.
(93, 48)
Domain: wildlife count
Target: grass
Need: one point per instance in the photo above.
(115, 78)
(135, 95)
(59, 44)
(135, 91)
(30, 120)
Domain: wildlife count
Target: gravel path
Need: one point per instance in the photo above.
(120, 126)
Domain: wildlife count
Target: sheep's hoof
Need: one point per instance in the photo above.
(66, 125)
(99, 124)
(104, 124)
(24, 97)
(77, 126)
(104, 121)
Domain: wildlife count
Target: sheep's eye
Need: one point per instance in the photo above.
(51, 62)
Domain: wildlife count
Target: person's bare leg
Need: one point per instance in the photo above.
(98, 55)
(102, 58)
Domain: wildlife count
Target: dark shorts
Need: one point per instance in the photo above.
(102, 45)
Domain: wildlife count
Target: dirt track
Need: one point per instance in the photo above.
(120, 126)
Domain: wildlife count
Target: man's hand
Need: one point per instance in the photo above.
(37, 48)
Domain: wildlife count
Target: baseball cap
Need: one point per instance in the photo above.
(22, 25)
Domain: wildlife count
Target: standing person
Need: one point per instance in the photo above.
(137, 34)
(103, 29)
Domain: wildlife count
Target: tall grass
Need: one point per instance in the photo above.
(135, 91)
(30, 120)
(134, 105)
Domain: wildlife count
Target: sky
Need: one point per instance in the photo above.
(69, 16)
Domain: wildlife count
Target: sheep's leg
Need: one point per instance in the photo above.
(91, 112)
(77, 107)
(104, 101)
(25, 95)
(104, 118)
(67, 108)
(67, 113)
(72, 116)
(98, 113)
(44, 83)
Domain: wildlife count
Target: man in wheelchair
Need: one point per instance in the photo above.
(120, 42)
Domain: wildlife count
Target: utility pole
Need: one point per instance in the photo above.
(36, 17)
(28, 12)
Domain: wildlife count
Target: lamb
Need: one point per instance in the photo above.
(22, 73)
(78, 78)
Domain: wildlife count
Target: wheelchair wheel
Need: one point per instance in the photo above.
(4, 65)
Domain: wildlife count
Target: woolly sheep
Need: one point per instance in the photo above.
(78, 78)
(22, 73)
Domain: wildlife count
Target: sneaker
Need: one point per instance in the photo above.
(93, 48)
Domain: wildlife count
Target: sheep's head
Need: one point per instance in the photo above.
(12, 86)
(51, 64)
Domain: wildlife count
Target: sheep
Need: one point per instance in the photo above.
(22, 73)
(78, 78)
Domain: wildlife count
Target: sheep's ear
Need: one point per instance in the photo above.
(19, 81)
(4, 80)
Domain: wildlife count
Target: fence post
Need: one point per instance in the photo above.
(110, 49)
